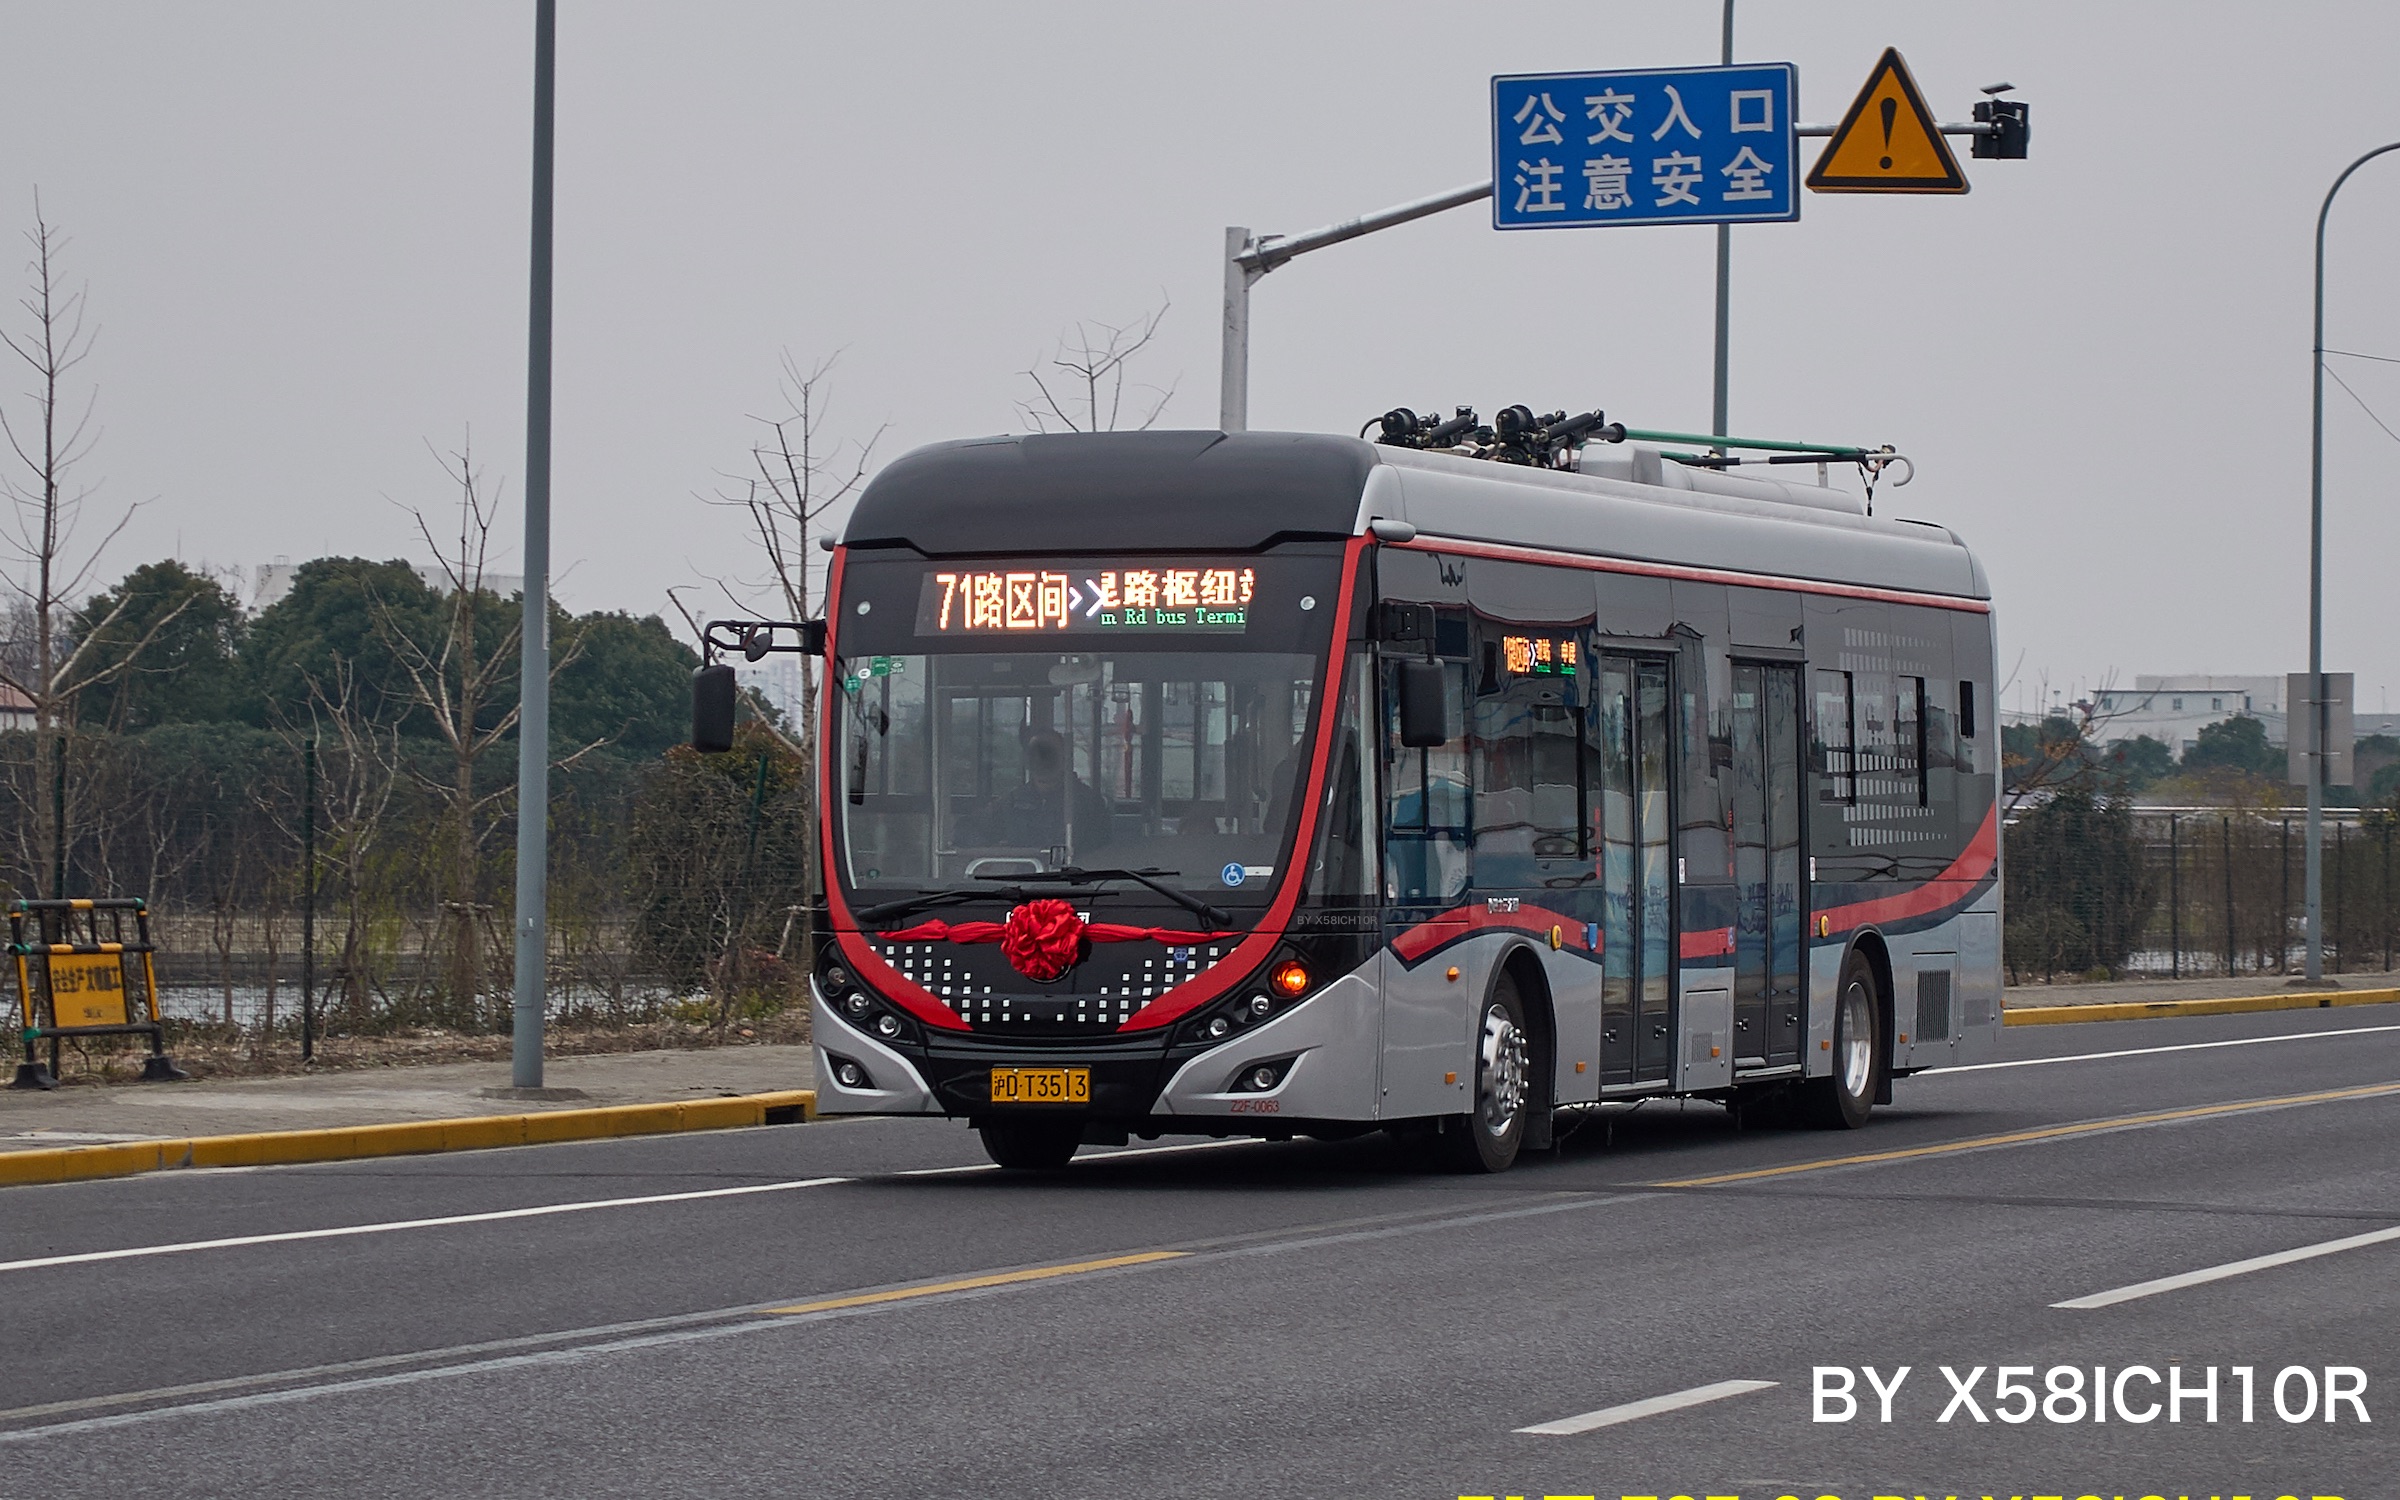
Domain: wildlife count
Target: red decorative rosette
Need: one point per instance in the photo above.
(1042, 939)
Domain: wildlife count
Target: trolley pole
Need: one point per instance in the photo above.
(533, 715)
(2313, 882)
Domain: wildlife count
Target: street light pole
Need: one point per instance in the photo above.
(1725, 275)
(533, 677)
(2317, 708)
(1248, 258)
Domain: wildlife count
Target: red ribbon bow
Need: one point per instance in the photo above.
(1041, 939)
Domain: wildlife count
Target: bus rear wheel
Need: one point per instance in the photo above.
(1843, 1101)
(1031, 1145)
(1486, 1140)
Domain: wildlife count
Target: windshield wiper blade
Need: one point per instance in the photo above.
(925, 899)
(1076, 875)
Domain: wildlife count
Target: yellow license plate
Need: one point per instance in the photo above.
(87, 989)
(1041, 1085)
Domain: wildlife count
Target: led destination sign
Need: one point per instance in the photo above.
(1175, 596)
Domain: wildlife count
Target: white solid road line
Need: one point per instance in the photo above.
(1632, 1411)
(540, 1211)
(137, 1252)
(2244, 1041)
(2142, 1289)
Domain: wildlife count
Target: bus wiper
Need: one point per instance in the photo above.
(1075, 875)
(923, 900)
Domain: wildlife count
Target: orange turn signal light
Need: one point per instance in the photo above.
(1290, 979)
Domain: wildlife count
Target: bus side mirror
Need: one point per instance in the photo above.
(712, 708)
(1424, 706)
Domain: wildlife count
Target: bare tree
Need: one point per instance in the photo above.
(46, 502)
(798, 472)
(1085, 390)
(459, 678)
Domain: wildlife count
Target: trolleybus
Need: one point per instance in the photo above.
(1286, 784)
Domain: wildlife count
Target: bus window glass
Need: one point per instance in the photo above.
(1832, 739)
(1184, 761)
(1525, 769)
(1343, 866)
(1426, 818)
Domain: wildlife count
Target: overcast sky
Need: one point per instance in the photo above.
(303, 231)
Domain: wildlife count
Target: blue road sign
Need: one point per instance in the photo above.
(1677, 146)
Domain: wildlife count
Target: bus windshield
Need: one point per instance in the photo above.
(958, 765)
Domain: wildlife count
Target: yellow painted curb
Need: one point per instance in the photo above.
(2137, 1010)
(404, 1138)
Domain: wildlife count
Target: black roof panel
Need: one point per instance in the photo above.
(1114, 492)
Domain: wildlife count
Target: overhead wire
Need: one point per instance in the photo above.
(2362, 401)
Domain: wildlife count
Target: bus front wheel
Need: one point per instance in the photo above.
(1486, 1139)
(1031, 1145)
(1843, 1101)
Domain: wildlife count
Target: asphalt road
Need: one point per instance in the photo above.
(860, 1309)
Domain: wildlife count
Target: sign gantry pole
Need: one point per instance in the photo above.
(533, 678)
(1721, 422)
(2317, 696)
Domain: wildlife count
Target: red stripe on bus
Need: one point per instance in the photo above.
(1235, 967)
(1713, 942)
(1971, 867)
(888, 981)
(1508, 553)
(1415, 942)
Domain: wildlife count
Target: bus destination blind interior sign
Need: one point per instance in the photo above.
(1180, 597)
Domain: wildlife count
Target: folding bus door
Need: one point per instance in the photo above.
(1766, 864)
(1633, 814)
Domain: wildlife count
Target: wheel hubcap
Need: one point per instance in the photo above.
(1502, 1066)
(1857, 1042)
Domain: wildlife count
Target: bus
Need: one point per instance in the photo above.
(1281, 784)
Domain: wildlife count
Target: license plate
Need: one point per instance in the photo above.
(1041, 1085)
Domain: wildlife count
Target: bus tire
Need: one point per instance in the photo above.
(1844, 1100)
(1486, 1138)
(1033, 1145)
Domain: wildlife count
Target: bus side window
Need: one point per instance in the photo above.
(1834, 738)
(1343, 865)
(1426, 813)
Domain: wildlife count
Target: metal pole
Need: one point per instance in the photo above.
(308, 900)
(2316, 590)
(1233, 375)
(58, 818)
(2175, 895)
(1248, 257)
(2225, 829)
(533, 716)
(1721, 422)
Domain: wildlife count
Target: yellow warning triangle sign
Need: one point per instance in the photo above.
(1888, 143)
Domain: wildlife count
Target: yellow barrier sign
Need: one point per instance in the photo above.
(87, 989)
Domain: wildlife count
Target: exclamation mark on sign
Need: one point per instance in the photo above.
(1891, 111)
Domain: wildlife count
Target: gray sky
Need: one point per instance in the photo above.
(303, 231)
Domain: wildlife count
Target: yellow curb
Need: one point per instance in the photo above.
(2137, 1010)
(404, 1138)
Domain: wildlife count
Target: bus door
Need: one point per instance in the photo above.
(1767, 1003)
(1628, 729)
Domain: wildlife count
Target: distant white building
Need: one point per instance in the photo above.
(270, 582)
(2173, 710)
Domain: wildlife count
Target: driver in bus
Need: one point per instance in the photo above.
(1033, 814)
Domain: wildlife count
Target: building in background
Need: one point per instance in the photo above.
(2174, 709)
(271, 581)
(776, 679)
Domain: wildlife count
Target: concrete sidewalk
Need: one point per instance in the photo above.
(2149, 991)
(78, 1116)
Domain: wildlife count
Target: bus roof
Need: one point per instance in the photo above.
(1232, 492)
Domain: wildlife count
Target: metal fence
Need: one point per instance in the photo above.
(2107, 892)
